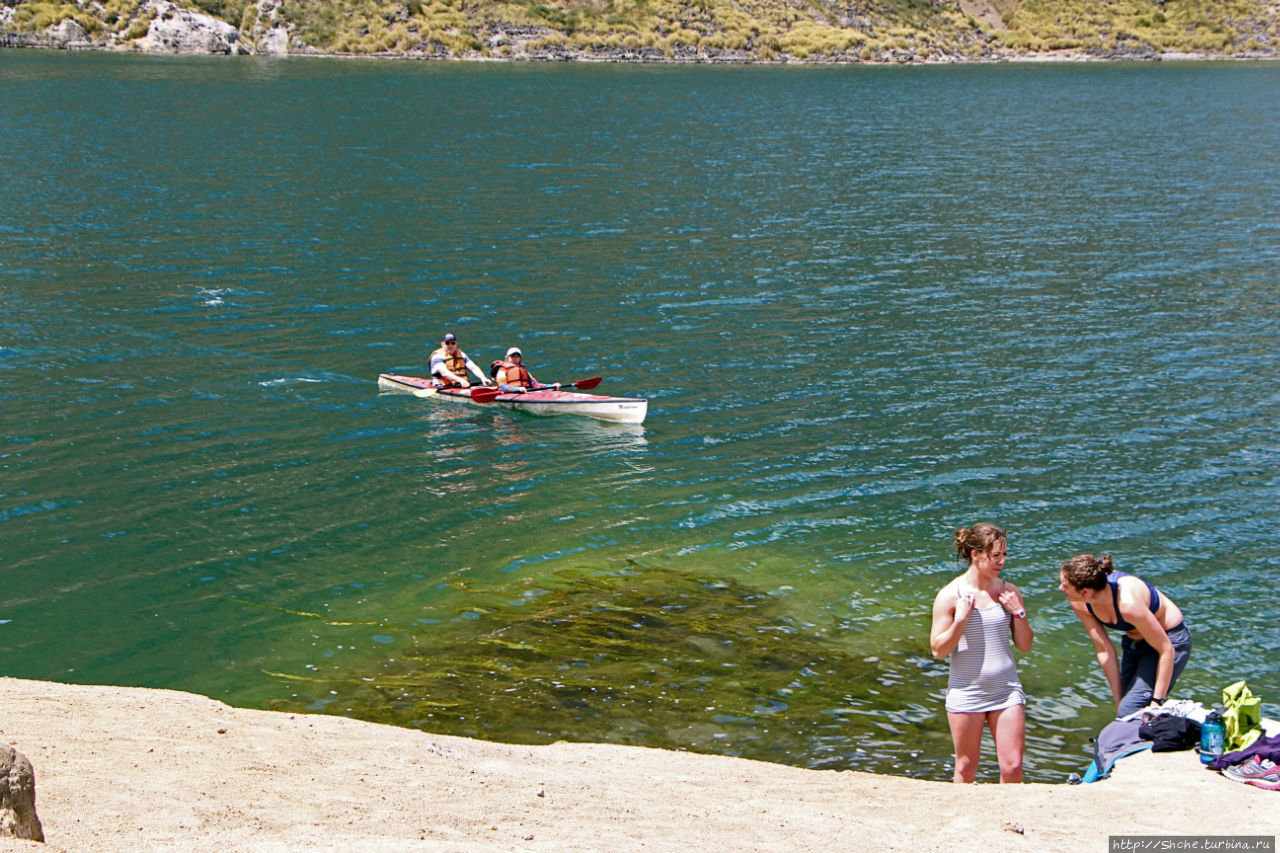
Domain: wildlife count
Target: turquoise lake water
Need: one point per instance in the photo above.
(867, 306)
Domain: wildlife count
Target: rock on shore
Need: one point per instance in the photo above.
(18, 818)
(177, 30)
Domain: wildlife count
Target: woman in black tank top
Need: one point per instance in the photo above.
(1156, 642)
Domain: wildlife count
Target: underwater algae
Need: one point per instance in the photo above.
(649, 658)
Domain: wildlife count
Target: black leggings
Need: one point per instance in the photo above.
(1138, 664)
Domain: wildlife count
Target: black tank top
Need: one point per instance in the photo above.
(1113, 581)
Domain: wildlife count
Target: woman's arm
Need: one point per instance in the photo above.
(950, 613)
(1011, 600)
(1103, 647)
(1139, 613)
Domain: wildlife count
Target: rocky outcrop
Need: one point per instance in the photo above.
(177, 30)
(18, 797)
(65, 35)
(269, 33)
(70, 34)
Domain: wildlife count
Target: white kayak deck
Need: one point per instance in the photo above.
(624, 410)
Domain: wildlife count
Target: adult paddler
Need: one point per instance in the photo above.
(449, 365)
(514, 378)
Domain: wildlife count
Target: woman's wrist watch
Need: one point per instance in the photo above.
(1020, 613)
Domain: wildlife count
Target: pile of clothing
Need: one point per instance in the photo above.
(1172, 726)
(1254, 745)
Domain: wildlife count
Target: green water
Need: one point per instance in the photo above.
(867, 306)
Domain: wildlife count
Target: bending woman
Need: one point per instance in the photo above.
(1156, 642)
(973, 618)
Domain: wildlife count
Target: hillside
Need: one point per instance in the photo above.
(658, 30)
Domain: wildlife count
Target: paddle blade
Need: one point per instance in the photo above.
(587, 384)
(424, 392)
(484, 395)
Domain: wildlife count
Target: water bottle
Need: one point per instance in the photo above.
(1213, 736)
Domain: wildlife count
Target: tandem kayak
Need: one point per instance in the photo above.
(623, 410)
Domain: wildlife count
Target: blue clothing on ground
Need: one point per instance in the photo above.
(1116, 740)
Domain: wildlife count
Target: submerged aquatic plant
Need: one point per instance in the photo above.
(653, 658)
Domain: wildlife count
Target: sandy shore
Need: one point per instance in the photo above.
(130, 769)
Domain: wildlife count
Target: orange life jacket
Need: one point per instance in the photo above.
(455, 364)
(516, 374)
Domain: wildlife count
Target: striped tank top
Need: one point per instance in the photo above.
(983, 676)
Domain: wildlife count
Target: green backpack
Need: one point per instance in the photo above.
(1243, 717)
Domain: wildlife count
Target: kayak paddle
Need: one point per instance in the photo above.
(581, 385)
(480, 395)
(487, 394)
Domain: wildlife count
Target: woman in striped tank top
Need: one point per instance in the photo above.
(974, 617)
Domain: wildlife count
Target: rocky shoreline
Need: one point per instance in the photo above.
(135, 769)
(171, 29)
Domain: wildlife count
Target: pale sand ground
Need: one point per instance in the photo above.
(129, 769)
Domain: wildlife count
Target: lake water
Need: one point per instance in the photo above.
(867, 305)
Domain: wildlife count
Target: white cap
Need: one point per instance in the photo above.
(514, 351)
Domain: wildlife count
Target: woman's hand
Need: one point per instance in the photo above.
(1011, 600)
(951, 609)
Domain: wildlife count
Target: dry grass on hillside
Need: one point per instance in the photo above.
(745, 29)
